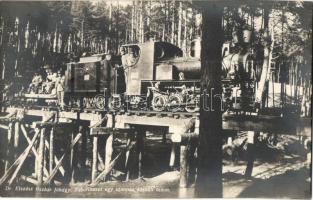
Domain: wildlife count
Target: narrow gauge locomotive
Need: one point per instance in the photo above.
(149, 76)
(153, 76)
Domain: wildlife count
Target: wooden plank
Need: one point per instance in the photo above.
(110, 130)
(63, 114)
(175, 125)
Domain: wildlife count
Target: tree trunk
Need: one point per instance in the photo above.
(266, 62)
(209, 179)
(173, 23)
(180, 13)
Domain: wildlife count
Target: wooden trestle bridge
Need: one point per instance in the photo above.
(39, 139)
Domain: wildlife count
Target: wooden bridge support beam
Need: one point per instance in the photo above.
(9, 146)
(16, 138)
(94, 167)
(183, 180)
(140, 150)
(108, 151)
(51, 150)
(173, 155)
(41, 157)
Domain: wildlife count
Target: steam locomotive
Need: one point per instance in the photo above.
(153, 76)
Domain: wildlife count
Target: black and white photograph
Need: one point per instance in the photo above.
(156, 99)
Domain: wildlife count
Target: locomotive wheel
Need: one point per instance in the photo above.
(192, 104)
(175, 103)
(115, 103)
(100, 102)
(159, 103)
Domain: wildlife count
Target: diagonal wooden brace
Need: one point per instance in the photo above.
(105, 172)
(58, 165)
(19, 162)
(33, 149)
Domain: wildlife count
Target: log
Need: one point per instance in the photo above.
(101, 162)
(72, 160)
(58, 164)
(108, 151)
(16, 135)
(140, 150)
(183, 181)
(179, 138)
(8, 116)
(106, 171)
(51, 150)
(41, 157)
(94, 158)
(54, 171)
(173, 155)
(56, 160)
(29, 179)
(33, 148)
(19, 161)
(111, 165)
(10, 131)
(127, 159)
(4, 126)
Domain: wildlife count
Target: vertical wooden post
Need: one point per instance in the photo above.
(9, 148)
(173, 155)
(140, 149)
(41, 156)
(16, 137)
(108, 151)
(183, 181)
(51, 150)
(72, 157)
(94, 158)
(94, 167)
(127, 160)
